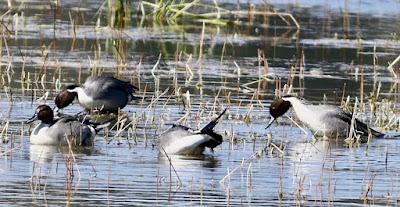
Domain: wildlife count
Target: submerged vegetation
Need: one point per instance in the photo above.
(176, 13)
(190, 60)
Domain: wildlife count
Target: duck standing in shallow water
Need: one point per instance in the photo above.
(104, 93)
(52, 131)
(182, 140)
(322, 120)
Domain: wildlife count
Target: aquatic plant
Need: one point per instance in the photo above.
(170, 11)
(119, 13)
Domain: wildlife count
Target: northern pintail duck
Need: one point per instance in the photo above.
(322, 120)
(104, 93)
(60, 131)
(184, 141)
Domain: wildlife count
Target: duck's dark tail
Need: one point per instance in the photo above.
(208, 129)
(99, 126)
(361, 128)
(210, 126)
(365, 130)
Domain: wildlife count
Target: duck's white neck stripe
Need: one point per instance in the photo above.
(83, 98)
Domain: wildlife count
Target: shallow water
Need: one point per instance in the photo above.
(128, 170)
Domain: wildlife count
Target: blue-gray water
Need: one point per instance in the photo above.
(128, 169)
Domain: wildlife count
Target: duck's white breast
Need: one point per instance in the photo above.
(41, 135)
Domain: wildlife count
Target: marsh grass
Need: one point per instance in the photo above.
(171, 166)
(119, 13)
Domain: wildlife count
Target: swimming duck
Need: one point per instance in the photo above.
(322, 120)
(52, 131)
(104, 93)
(184, 141)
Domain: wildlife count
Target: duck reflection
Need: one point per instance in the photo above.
(188, 161)
(308, 157)
(47, 153)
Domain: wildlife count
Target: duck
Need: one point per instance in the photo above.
(63, 130)
(182, 140)
(104, 93)
(322, 120)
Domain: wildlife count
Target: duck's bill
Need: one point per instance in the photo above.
(55, 108)
(137, 97)
(32, 119)
(270, 122)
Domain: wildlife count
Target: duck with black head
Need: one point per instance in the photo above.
(322, 120)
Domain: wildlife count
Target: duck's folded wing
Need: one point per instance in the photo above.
(176, 127)
(216, 139)
(64, 119)
(113, 83)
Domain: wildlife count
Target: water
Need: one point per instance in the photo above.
(128, 170)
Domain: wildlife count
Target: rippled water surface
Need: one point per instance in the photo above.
(339, 46)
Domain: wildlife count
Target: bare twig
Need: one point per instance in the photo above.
(239, 166)
(170, 162)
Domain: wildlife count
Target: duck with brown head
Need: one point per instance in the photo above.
(59, 131)
(103, 93)
(65, 98)
(277, 109)
(322, 120)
